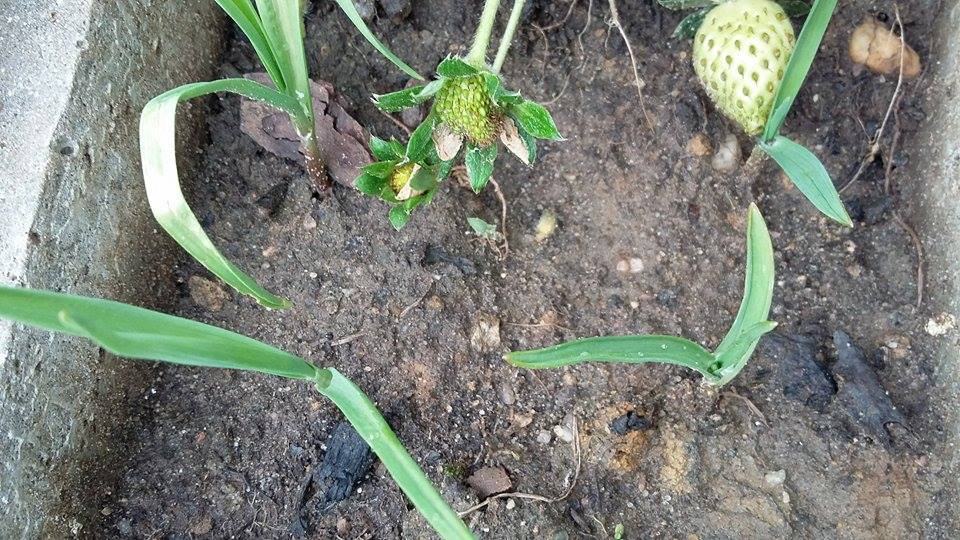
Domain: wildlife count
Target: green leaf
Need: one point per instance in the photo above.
(530, 142)
(399, 100)
(424, 179)
(351, 12)
(809, 175)
(535, 120)
(159, 161)
(751, 320)
(621, 349)
(719, 367)
(479, 163)
(245, 16)
(399, 217)
(686, 4)
(430, 89)
(147, 335)
(283, 26)
(800, 61)
(369, 184)
(482, 228)
(421, 140)
(380, 169)
(688, 27)
(371, 426)
(386, 150)
(794, 8)
(455, 67)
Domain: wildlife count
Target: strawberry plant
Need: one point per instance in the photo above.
(142, 334)
(718, 367)
(746, 58)
(470, 111)
(275, 29)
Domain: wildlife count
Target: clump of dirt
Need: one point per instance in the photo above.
(649, 239)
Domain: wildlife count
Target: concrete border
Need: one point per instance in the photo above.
(74, 217)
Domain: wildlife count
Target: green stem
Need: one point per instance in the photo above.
(369, 423)
(478, 51)
(507, 37)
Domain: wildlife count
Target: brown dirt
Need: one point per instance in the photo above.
(222, 454)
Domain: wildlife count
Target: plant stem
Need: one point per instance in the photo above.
(364, 416)
(507, 37)
(316, 167)
(478, 51)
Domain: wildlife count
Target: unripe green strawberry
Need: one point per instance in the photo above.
(464, 105)
(740, 53)
(401, 176)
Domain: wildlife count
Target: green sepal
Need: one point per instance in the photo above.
(535, 120)
(399, 216)
(401, 99)
(421, 140)
(455, 67)
(380, 169)
(498, 93)
(479, 163)
(430, 89)
(370, 185)
(444, 168)
(383, 150)
(425, 178)
(688, 27)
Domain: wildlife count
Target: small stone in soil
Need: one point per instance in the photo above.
(630, 421)
(775, 478)
(395, 8)
(544, 437)
(727, 157)
(366, 9)
(507, 395)
(489, 481)
(563, 433)
(700, 145)
(485, 336)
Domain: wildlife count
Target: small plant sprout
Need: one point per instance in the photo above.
(718, 367)
(749, 63)
(275, 28)
(471, 110)
(142, 334)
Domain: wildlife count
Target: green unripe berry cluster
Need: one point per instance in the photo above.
(464, 105)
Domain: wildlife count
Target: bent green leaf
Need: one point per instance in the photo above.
(162, 181)
(719, 367)
(351, 12)
(143, 334)
(809, 175)
(808, 42)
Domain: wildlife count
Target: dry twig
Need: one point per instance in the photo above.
(614, 22)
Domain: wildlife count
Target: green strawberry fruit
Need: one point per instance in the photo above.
(464, 105)
(401, 177)
(740, 53)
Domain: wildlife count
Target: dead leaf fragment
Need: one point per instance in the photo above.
(447, 142)
(339, 137)
(512, 140)
(877, 47)
(489, 481)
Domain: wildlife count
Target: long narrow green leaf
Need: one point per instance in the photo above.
(719, 367)
(809, 175)
(159, 160)
(245, 16)
(147, 335)
(800, 61)
(283, 25)
(351, 12)
(625, 349)
(751, 320)
(369, 423)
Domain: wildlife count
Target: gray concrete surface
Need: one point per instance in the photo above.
(74, 75)
(932, 185)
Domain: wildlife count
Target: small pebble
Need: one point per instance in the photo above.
(507, 395)
(727, 157)
(563, 433)
(941, 324)
(309, 223)
(546, 225)
(511, 504)
(775, 478)
(544, 437)
(700, 145)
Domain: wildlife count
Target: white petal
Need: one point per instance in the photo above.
(512, 140)
(448, 143)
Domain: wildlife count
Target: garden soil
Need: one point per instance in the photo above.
(810, 441)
